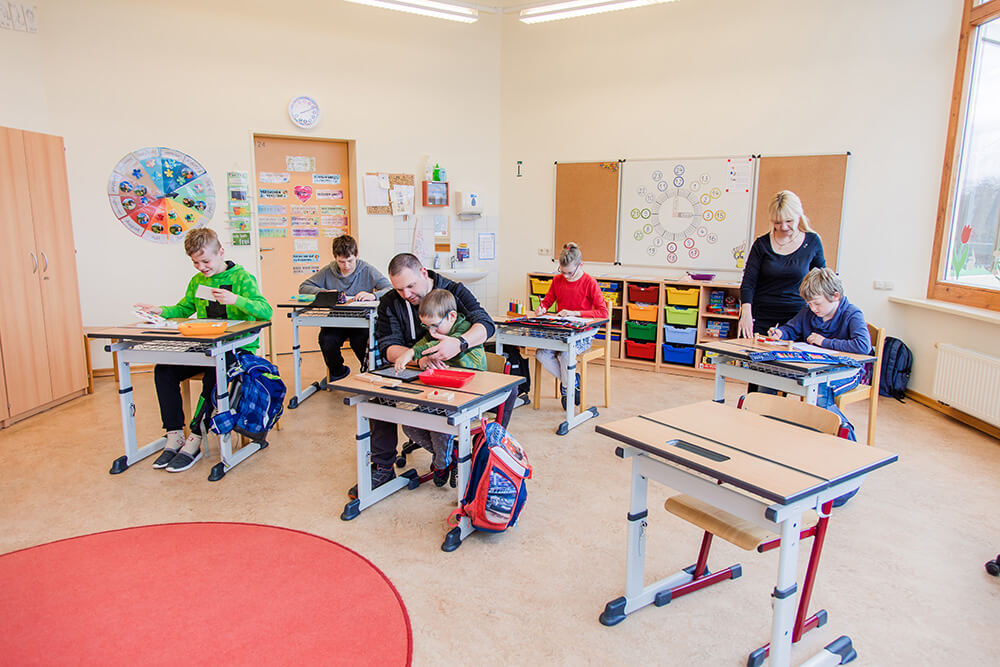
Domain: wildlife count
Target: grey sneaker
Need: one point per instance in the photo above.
(182, 461)
(165, 457)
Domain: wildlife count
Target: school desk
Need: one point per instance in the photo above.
(441, 409)
(764, 471)
(792, 377)
(519, 333)
(353, 315)
(145, 344)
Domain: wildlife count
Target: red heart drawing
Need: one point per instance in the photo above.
(303, 192)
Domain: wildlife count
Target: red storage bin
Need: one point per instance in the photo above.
(639, 350)
(446, 378)
(644, 294)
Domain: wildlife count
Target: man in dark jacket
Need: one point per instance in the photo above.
(398, 327)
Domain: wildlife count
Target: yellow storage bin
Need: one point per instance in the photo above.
(540, 285)
(641, 313)
(682, 296)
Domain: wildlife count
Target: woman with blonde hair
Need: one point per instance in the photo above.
(576, 294)
(776, 264)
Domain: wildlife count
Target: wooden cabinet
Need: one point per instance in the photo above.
(40, 325)
(695, 311)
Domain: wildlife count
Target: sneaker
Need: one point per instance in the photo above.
(182, 461)
(165, 457)
(441, 476)
(380, 475)
(339, 374)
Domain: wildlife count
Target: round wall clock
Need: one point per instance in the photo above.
(304, 112)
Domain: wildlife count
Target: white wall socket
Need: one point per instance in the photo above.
(884, 284)
(544, 251)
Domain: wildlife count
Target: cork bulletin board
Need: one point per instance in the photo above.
(394, 180)
(819, 181)
(587, 208)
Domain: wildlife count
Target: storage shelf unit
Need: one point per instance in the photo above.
(639, 337)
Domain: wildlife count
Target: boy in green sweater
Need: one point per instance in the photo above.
(439, 313)
(236, 297)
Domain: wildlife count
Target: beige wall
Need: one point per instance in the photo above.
(103, 75)
(719, 77)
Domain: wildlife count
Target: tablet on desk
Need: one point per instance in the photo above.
(406, 375)
(328, 299)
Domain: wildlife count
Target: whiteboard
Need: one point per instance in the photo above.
(686, 213)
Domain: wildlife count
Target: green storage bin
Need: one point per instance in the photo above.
(640, 330)
(679, 315)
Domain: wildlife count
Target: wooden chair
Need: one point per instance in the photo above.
(582, 361)
(868, 391)
(748, 535)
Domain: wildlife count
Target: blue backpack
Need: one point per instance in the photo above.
(256, 398)
(897, 364)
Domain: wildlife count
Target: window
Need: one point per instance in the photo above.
(966, 263)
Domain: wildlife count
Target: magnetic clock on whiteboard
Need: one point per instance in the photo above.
(304, 112)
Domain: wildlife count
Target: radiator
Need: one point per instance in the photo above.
(968, 381)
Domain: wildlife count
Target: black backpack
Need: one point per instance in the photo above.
(897, 363)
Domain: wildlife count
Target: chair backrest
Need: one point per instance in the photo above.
(793, 411)
(877, 335)
(497, 363)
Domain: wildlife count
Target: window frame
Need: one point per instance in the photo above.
(979, 297)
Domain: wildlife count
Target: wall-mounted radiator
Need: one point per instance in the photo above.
(968, 381)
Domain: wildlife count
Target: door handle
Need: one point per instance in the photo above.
(46, 262)
(34, 268)
(266, 249)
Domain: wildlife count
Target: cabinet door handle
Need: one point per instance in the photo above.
(45, 266)
(34, 260)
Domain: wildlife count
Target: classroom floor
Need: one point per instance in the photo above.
(902, 570)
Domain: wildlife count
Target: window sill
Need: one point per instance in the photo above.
(949, 308)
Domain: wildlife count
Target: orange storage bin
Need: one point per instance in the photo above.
(641, 313)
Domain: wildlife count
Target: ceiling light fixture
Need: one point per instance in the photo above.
(574, 8)
(438, 10)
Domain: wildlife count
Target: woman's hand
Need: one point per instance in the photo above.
(745, 328)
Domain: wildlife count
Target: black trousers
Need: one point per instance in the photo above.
(331, 339)
(168, 392)
(385, 435)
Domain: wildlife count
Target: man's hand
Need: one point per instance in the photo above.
(815, 339)
(364, 296)
(224, 296)
(446, 348)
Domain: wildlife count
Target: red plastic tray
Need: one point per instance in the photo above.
(446, 378)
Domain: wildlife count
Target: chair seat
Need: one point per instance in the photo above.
(859, 393)
(744, 534)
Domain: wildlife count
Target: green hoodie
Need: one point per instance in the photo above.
(474, 357)
(250, 303)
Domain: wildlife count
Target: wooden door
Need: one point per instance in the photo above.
(276, 158)
(46, 160)
(22, 323)
(4, 411)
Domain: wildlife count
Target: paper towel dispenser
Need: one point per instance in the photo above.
(469, 204)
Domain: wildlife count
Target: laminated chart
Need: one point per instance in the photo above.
(159, 194)
(686, 213)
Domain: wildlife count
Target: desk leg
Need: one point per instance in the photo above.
(366, 495)
(720, 385)
(573, 420)
(371, 345)
(453, 539)
(784, 594)
(126, 398)
(300, 394)
(229, 459)
(812, 394)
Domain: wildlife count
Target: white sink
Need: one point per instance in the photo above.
(463, 275)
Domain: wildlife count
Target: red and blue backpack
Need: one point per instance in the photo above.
(496, 491)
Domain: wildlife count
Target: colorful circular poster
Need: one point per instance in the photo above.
(159, 194)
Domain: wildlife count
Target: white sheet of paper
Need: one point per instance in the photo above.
(204, 292)
(375, 195)
(806, 347)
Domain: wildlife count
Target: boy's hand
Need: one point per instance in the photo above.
(403, 359)
(364, 296)
(224, 296)
(815, 339)
(149, 308)
(775, 333)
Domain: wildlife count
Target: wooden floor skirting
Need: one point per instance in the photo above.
(969, 420)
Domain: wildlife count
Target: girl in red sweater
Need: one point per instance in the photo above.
(576, 294)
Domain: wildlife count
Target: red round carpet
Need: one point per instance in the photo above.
(199, 593)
